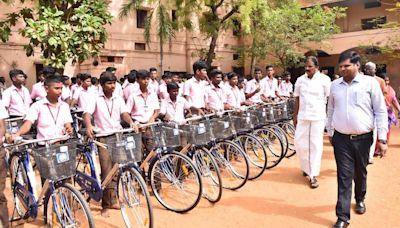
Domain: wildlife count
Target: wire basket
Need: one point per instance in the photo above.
(125, 148)
(264, 114)
(166, 135)
(13, 126)
(280, 112)
(245, 121)
(222, 127)
(197, 133)
(290, 106)
(57, 161)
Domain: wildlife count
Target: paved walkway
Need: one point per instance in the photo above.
(282, 198)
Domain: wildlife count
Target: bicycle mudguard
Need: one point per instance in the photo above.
(28, 199)
(90, 185)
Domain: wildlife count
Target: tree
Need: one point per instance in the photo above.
(161, 15)
(283, 31)
(63, 29)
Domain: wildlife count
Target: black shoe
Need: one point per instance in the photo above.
(314, 183)
(360, 207)
(305, 174)
(340, 224)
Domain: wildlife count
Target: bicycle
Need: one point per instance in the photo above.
(125, 152)
(174, 179)
(64, 206)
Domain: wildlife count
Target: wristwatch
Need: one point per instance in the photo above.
(382, 141)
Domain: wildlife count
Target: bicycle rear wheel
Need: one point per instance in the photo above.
(232, 162)
(176, 182)
(290, 130)
(255, 153)
(210, 174)
(66, 207)
(134, 199)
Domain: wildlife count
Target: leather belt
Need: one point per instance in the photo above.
(354, 137)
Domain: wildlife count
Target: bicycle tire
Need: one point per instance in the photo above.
(210, 173)
(290, 130)
(133, 189)
(51, 218)
(234, 175)
(168, 170)
(255, 151)
(273, 145)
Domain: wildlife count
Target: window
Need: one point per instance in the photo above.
(372, 4)
(235, 56)
(140, 46)
(39, 68)
(141, 16)
(236, 28)
(372, 23)
(173, 16)
(111, 59)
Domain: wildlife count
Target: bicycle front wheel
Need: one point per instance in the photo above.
(273, 144)
(66, 207)
(210, 174)
(175, 182)
(134, 199)
(232, 162)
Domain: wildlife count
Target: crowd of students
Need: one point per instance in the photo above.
(140, 99)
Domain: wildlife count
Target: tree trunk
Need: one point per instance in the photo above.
(211, 50)
(252, 64)
(161, 56)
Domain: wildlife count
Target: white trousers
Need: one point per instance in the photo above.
(372, 149)
(309, 144)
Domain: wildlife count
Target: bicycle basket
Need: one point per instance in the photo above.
(13, 126)
(57, 161)
(166, 135)
(197, 133)
(222, 127)
(280, 112)
(264, 115)
(125, 148)
(244, 122)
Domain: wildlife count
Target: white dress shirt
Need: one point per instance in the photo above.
(269, 86)
(251, 86)
(313, 95)
(285, 88)
(354, 108)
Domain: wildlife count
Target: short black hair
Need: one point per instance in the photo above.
(15, 72)
(257, 69)
(215, 72)
(94, 80)
(166, 75)
(73, 80)
(132, 76)
(107, 76)
(52, 78)
(353, 56)
(199, 65)
(232, 75)
(312, 59)
(269, 66)
(240, 79)
(172, 86)
(85, 76)
(142, 74)
(111, 69)
(152, 69)
(286, 73)
(48, 71)
(65, 78)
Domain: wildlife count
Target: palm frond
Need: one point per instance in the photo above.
(129, 6)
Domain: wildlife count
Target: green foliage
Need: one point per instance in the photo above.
(63, 30)
(283, 31)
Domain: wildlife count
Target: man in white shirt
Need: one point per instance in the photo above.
(16, 98)
(311, 92)
(286, 87)
(253, 87)
(269, 85)
(194, 89)
(355, 104)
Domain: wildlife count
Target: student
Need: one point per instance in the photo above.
(286, 87)
(52, 115)
(94, 85)
(16, 98)
(77, 86)
(38, 89)
(253, 87)
(153, 84)
(107, 111)
(174, 107)
(235, 98)
(83, 96)
(2, 85)
(132, 87)
(66, 91)
(215, 94)
(194, 89)
(3, 171)
(143, 106)
(269, 85)
(166, 78)
(118, 87)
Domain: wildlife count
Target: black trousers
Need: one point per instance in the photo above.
(351, 160)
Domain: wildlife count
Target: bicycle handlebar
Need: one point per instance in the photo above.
(14, 119)
(20, 141)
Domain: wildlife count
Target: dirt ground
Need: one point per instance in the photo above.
(282, 198)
